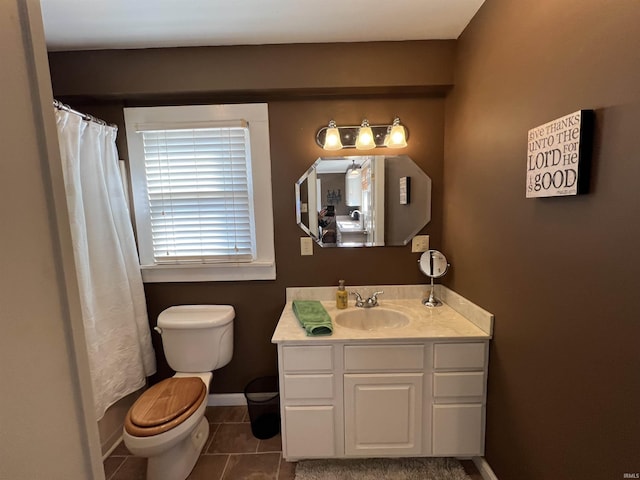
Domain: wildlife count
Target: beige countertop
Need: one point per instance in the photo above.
(439, 323)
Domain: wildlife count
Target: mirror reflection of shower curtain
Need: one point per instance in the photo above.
(111, 292)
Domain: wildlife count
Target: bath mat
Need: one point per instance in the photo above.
(381, 469)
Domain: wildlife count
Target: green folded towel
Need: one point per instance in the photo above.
(313, 317)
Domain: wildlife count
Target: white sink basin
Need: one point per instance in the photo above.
(375, 318)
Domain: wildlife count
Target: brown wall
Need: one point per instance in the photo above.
(355, 68)
(561, 275)
(294, 120)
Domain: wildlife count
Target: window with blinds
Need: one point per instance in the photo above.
(199, 194)
(201, 184)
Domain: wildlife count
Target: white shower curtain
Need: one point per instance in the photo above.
(111, 292)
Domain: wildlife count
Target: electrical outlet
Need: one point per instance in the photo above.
(420, 243)
(306, 246)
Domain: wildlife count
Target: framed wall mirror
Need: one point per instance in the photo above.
(363, 200)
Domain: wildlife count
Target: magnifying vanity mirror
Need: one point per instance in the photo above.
(363, 200)
(434, 265)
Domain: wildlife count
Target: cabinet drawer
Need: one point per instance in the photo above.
(458, 384)
(305, 359)
(383, 357)
(459, 355)
(298, 387)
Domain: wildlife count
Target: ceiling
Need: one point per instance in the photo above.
(107, 24)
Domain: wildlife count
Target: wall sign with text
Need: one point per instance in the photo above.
(559, 156)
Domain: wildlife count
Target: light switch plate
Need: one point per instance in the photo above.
(306, 246)
(420, 243)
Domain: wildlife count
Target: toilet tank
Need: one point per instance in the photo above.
(197, 338)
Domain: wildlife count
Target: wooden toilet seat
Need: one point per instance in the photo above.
(165, 406)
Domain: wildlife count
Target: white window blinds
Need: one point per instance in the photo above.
(200, 194)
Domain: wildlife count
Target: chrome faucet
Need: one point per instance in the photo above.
(370, 302)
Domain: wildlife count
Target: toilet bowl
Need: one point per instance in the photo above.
(167, 423)
(175, 449)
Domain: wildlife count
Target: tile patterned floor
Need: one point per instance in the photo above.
(230, 453)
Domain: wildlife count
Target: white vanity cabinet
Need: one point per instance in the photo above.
(380, 399)
(415, 388)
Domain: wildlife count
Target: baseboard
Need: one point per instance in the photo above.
(112, 448)
(484, 468)
(112, 442)
(110, 425)
(226, 399)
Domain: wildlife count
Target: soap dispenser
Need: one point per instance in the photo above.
(342, 296)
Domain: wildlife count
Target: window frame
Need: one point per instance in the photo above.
(257, 117)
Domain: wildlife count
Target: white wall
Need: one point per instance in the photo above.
(46, 429)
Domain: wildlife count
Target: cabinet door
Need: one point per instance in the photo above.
(458, 430)
(309, 432)
(383, 414)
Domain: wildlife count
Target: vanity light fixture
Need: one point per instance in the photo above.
(363, 136)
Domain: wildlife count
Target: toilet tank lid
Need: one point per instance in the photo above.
(196, 316)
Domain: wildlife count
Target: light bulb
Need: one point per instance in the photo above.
(332, 137)
(396, 136)
(365, 137)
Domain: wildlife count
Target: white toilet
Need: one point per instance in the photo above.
(167, 423)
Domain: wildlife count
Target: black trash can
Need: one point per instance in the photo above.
(263, 403)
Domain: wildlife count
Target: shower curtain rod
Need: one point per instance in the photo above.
(85, 116)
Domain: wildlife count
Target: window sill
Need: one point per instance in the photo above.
(209, 273)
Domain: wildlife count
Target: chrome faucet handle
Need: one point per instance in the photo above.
(373, 300)
(359, 301)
